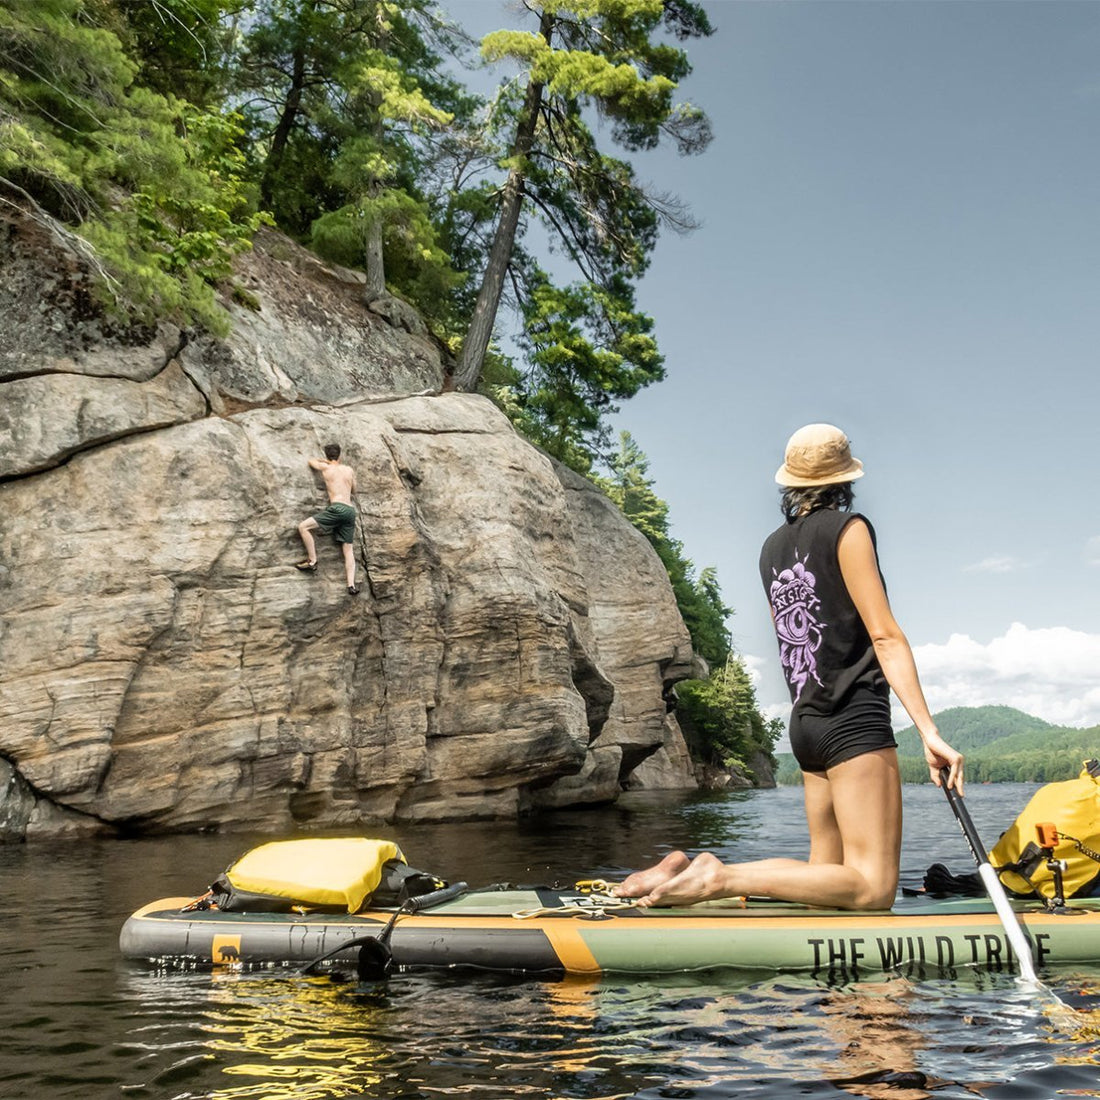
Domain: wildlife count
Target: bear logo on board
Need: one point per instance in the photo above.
(225, 950)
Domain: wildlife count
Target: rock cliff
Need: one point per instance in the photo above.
(163, 667)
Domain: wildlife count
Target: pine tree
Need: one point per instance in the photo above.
(724, 718)
(599, 55)
(153, 183)
(181, 46)
(587, 347)
(340, 95)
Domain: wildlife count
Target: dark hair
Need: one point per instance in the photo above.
(332, 451)
(801, 502)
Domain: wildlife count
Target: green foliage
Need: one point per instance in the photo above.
(414, 261)
(721, 718)
(343, 102)
(609, 54)
(1030, 750)
(180, 46)
(114, 117)
(602, 60)
(787, 772)
(197, 220)
(702, 607)
(972, 728)
(62, 81)
(631, 488)
(153, 182)
(587, 347)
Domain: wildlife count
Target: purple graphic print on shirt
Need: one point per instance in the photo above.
(794, 607)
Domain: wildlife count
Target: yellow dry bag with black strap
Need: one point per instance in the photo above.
(325, 873)
(1073, 807)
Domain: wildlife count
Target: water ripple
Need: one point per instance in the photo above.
(714, 1036)
(80, 1025)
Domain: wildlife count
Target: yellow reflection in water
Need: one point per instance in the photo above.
(292, 1041)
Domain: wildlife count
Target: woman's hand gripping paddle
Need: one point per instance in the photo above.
(992, 883)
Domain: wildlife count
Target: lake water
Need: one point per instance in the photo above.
(79, 1022)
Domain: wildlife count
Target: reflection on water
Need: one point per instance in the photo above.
(722, 1035)
(79, 1023)
(310, 1045)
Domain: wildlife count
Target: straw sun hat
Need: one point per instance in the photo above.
(818, 454)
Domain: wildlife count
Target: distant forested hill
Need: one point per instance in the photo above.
(971, 729)
(1002, 745)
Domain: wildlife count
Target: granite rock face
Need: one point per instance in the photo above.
(71, 381)
(644, 648)
(163, 667)
(313, 340)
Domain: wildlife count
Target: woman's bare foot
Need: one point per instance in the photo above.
(705, 877)
(644, 882)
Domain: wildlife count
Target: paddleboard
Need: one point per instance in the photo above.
(542, 931)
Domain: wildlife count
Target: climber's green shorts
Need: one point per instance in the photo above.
(338, 520)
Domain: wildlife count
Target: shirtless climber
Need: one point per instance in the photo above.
(337, 519)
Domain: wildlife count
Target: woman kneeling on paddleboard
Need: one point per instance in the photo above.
(842, 651)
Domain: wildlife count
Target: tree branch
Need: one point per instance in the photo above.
(60, 233)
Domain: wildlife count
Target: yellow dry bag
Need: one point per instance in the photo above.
(322, 873)
(1073, 807)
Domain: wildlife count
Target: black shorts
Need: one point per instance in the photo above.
(862, 724)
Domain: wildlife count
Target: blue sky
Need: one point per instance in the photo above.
(900, 235)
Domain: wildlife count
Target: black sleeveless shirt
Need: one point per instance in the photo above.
(827, 655)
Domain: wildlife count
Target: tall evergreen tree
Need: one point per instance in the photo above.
(723, 719)
(587, 346)
(181, 46)
(338, 94)
(154, 183)
(602, 56)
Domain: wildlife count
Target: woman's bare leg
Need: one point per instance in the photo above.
(865, 799)
(826, 844)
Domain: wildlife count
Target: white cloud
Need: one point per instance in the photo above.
(1052, 673)
(1092, 551)
(753, 665)
(1003, 563)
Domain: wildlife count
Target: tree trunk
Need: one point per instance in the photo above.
(287, 119)
(475, 345)
(374, 261)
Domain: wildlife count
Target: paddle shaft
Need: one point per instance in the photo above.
(966, 823)
(992, 883)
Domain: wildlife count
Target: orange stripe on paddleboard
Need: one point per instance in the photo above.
(568, 943)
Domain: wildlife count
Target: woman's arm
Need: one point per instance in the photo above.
(859, 568)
